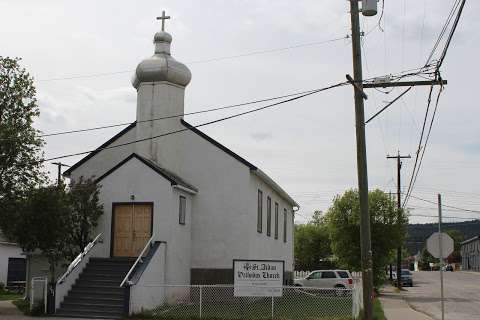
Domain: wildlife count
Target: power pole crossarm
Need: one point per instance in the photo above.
(59, 170)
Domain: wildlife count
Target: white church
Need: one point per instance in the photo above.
(193, 204)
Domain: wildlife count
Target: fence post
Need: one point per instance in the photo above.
(200, 301)
(45, 296)
(31, 294)
(272, 307)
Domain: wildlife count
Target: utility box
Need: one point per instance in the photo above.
(369, 7)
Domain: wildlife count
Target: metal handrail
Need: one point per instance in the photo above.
(79, 258)
(138, 259)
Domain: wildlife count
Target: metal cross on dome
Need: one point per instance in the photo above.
(163, 18)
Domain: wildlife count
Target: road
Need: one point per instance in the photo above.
(462, 294)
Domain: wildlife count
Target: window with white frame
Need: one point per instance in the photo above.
(269, 216)
(276, 220)
(259, 211)
(284, 225)
(182, 208)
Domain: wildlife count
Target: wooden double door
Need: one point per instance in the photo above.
(132, 228)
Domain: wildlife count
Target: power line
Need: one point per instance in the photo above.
(258, 52)
(399, 76)
(426, 140)
(181, 114)
(202, 124)
(444, 205)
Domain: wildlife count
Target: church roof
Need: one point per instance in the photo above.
(259, 173)
(94, 152)
(174, 179)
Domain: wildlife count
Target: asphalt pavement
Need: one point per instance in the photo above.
(462, 294)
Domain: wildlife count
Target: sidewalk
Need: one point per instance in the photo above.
(396, 308)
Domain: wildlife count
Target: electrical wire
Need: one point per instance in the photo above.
(181, 114)
(200, 125)
(444, 205)
(247, 54)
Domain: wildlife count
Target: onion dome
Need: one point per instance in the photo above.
(162, 66)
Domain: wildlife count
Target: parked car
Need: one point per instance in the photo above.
(449, 268)
(407, 278)
(339, 279)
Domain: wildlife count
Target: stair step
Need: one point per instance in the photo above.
(94, 300)
(88, 292)
(91, 307)
(108, 268)
(96, 293)
(91, 275)
(72, 313)
(98, 283)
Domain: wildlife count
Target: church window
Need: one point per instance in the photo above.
(276, 220)
(182, 209)
(269, 216)
(284, 225)
(259, 211)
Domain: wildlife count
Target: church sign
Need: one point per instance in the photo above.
(258, 278)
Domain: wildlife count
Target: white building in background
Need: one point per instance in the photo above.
(201, 202)
(12, 263)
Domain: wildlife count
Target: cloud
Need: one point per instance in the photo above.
(261, 136)
(122, 94)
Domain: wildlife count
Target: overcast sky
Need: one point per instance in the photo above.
(307, 146)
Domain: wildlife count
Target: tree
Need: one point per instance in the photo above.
(44, 219)
(20, 143)
(457, 237)
(387, 231)
(85, 210)
(312, 247)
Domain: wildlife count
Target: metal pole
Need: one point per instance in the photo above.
(399, 200)
(365, 239)
(440, 246)
(200, 301)
(272, 307)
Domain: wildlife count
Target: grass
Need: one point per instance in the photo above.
(7, 295)
(292, 306)
(378, 310)
(24, 306)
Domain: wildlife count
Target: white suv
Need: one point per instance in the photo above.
(340, 279)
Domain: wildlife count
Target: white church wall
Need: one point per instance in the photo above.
(106, 159)
(135, 178)
(263, 246)
(179, 244)
(148, 292)
(220, 209)
(157, 100)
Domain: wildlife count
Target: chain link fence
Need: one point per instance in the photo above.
(219, 301)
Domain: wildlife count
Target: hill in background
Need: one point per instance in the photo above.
(419, 233)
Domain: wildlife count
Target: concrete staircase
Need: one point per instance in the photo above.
(97, 294)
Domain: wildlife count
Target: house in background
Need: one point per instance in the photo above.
(12, 264)
(194, 204)
(470, 252)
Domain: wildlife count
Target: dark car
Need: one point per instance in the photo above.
(407, 278)
(449, 268)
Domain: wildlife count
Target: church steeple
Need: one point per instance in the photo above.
(162, 66)
(160, 82)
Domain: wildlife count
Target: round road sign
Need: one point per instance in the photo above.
(433, 245)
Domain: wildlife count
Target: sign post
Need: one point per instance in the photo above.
(440, 245)
(258, 278)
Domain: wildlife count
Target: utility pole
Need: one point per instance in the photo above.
(59, 170)
(399, 204)
(365, 238)
(441, 252)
